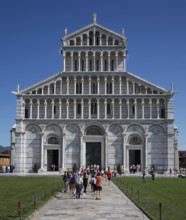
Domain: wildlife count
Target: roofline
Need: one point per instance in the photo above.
(89, 26)
(43, 81)
(60, 73)
(148, 82)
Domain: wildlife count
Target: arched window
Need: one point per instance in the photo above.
(112, 65)
(75, 65)
(106, 67)
(94, 130)
(71, 43)
(116, 42)
(108, 108)
(109, 88)
(90, 41)
(78, 88)
(93, 108)
(53, 140)
(82, 65)
(97, 40)
(52, 89)
(90, 65)
(26, 113)
(78, 108)
(135, 140)
(97, 65)
(54, 109)
(94, 88)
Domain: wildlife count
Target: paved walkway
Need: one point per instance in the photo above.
(113, 205)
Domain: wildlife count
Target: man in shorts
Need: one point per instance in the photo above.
(98, 186)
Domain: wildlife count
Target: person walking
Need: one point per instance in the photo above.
(152, 175)
(144, 176)
(85, 183)
(98, 186)
(109, 176)
(65, 180)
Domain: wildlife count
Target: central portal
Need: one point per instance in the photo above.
(134, 157)
(93, 153)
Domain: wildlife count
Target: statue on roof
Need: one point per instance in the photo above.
(94, 18)
(123, 32)
(18, 87)
(65, 31)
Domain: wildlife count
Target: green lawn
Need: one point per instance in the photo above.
(31, 191)
(170, 192)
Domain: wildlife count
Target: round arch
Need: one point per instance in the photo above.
(93, 130)
(96, 124)
(135, 128)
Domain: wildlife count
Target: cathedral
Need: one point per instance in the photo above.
(94, 112)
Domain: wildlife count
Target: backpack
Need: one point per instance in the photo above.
(73, 179)
(78, 181)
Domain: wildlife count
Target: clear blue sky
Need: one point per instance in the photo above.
(30, 33)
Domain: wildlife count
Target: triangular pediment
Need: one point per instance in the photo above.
(57, 77)
(96, 28)
(92, 27)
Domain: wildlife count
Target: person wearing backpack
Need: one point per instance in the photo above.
(78, 183)
(73, 184)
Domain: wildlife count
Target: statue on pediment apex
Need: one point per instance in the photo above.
(94, 18)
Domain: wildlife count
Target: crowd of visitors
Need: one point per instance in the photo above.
(135, 168)
(6, 169)
(78, 182)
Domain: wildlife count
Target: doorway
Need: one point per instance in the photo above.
(134, 157)
(93, 153)
(52, 160)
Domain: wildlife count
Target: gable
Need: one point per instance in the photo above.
(53, 83)
(89, 31)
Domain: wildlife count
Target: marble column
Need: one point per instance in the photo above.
(38, 108)
(82, 108)
(105, 103)
(31, 105)
(64, 61)
(146, 151)
(124, 152)
(45, 104)
(63, 151)
(42, 152)
(106, 151)
(72, 68)
(60, 103)
(74, 109)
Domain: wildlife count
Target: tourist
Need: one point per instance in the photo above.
(85, 183)
(109, 176)
(78, 186)
(53, 167)
(65, 180)
(93, 183)
(144, 176)
(98, 186)
(152, 175)
(73, 184)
